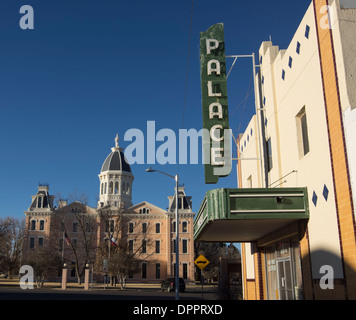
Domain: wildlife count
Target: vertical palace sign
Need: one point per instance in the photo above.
(216, 136)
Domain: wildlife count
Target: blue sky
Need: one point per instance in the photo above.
(92, 69)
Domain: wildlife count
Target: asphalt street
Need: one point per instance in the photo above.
(16, 293)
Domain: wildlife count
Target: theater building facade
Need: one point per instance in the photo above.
(307, 94)
(294, 209)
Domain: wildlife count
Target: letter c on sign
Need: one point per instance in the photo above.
(217, 138)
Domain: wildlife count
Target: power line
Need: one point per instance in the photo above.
(187, 70)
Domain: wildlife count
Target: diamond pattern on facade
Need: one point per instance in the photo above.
(325, 192)
(315, 198)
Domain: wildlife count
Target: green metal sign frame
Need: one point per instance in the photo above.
(258, 209)
(217, 136)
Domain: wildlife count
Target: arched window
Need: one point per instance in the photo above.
(111, 188)
(33, 224)
(116, 187)
(39, 202)
(102, 188)
(184, 226)
(105, 187)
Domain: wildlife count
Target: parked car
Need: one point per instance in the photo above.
(170, 285)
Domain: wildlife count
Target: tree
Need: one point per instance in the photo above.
(43, 261)
(213, 252)
(80, 251)
(126, 243)
(12, 233)
(122, 265)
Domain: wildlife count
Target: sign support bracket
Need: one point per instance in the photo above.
(257, 108)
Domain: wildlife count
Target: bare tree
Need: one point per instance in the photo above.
(126, 243)
(213, 252)
(78, 220)
(12, 232)
(122, 264)
(44, 261)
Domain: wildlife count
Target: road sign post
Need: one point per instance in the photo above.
(201, 262)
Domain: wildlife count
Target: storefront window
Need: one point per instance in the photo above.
(271, 273)
(298, 282)
(283, 271)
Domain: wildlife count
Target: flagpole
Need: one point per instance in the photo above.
(109, 257)
(63, 246)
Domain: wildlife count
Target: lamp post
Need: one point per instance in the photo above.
(177, 228)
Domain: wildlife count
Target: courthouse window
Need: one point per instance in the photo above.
(144, 246)
(131, 246)
(131, 227)
(158, 270)
(184, 226)
(32, 242)
(174, 243)
(144, 270)
(185, 246)
(158, 246)
(185, 271)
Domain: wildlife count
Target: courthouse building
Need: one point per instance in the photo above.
(82, 235)
(305, 135)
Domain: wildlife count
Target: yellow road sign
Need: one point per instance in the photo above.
(201, 262)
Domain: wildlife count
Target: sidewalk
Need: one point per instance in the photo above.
(101, 286)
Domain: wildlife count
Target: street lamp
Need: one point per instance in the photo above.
(177, 225)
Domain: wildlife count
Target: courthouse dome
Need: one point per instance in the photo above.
(116, 161)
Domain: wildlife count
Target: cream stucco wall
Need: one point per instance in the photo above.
(284, 99)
